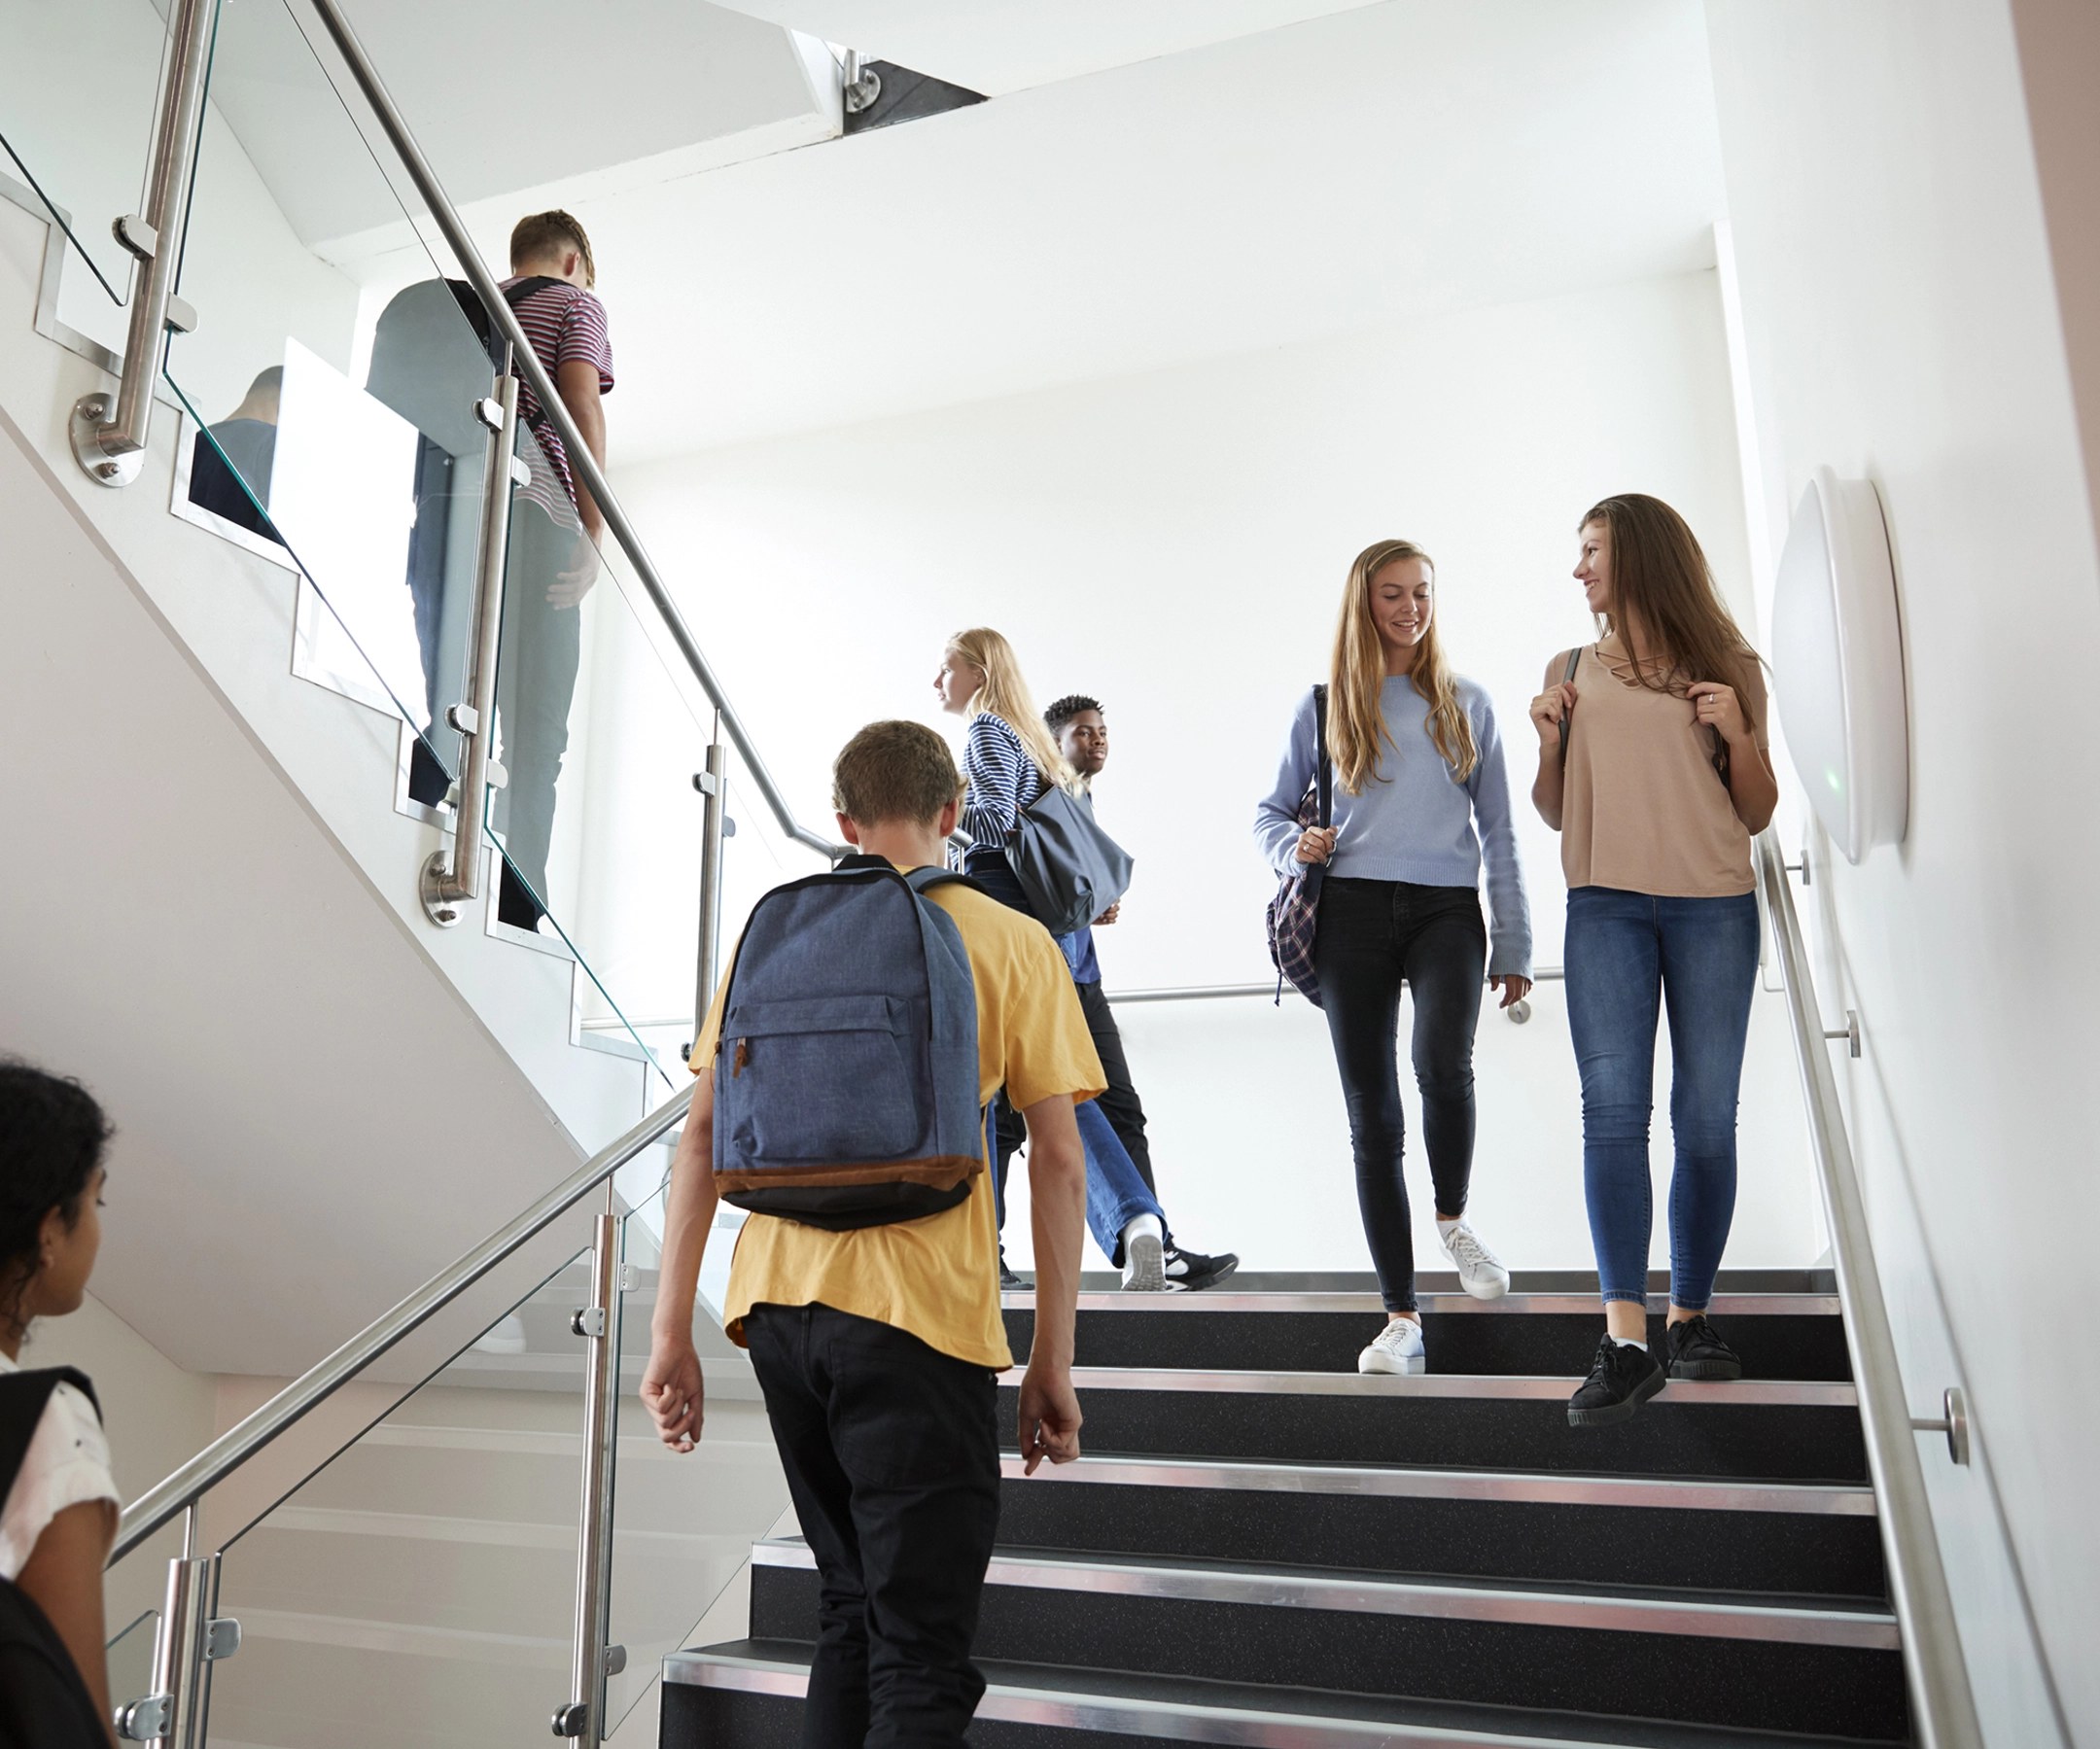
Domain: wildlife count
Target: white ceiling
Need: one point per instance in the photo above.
(1330, 175)
(997, 49)
(500, 102)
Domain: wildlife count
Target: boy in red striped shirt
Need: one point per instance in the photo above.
(554, 531)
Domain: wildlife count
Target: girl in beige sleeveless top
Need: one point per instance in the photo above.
(1652, 768)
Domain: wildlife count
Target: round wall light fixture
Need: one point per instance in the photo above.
(1838, 663)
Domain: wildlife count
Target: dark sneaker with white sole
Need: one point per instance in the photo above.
(1191, 1272)
(1009, 1282)
(1621, 1380)
(1696, 1350)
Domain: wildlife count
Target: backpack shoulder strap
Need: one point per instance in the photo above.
(1324, 770)
(516, 295)
(23, 1397)
(924, 880)
(1574, 661)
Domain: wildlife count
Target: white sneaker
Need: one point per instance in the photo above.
(1480, 1272)
(1144, 1264)
(1397, 1348)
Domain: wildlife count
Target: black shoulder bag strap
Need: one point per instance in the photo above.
(1324, 771)
(1574, 660)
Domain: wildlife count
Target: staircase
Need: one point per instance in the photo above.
(1263, 1547)
(432, 1562)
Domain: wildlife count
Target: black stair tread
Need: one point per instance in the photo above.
(1805, 1432)
(1192, 1703)
(1513, 1304)
(1560, 1281)
(1824, 1393)
(1686, 1493)
(1781, 1603)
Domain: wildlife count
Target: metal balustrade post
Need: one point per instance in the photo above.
(582, 1714)
(109, 431)
(445, 885)
(711, 838)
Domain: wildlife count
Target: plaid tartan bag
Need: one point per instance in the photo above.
(1294, 912)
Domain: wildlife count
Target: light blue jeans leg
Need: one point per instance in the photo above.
(1115, 1195)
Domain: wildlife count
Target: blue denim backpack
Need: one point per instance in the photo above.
(846, 1080)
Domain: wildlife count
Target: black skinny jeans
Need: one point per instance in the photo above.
(1372, 936)
(892, 1455)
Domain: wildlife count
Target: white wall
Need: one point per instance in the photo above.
(1176, 544)
(1902, 324)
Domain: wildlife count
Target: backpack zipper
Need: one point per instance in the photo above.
(742, 1056)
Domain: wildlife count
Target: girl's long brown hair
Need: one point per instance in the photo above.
(1355, 724)
(1660, 582)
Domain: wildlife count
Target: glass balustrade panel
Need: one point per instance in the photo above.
(129, 1658)
(335, 394)
(330, 386)
(78, 83)
(603, 735)
(683, 1522)
(419, 1587)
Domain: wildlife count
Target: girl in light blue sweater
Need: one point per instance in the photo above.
(1420, 801)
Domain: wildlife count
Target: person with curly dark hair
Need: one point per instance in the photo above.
(1081, 732)
(58, 1499)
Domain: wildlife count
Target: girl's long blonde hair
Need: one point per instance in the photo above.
(1355, 724)
(1005, 694)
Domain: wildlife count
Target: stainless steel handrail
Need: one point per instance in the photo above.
(1942, 1708)
(232, 1449)
(1203, 993)
(581, 459)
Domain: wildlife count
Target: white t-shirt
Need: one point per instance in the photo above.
(68, 1461)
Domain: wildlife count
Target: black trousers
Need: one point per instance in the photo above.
(892, 1453)
(1372, 936)
(1120, 1105)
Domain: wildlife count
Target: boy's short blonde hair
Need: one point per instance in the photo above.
(894, 770)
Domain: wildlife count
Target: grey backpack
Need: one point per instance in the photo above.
(846, 1078)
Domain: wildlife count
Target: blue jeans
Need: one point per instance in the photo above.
(1700, 956)
(1116, 1193)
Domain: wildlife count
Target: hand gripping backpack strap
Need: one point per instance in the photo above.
(1324, 777)
(1574, 660)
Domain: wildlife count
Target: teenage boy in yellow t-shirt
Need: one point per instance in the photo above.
(877, 1348)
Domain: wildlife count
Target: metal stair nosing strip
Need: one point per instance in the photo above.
(1741, 1392)
(1098, 1709)
(1400, 1482)
(1862, 1627)
(1216, 1300)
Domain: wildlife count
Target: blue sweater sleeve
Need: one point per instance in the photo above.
(1509, 932)
(1276, 816)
